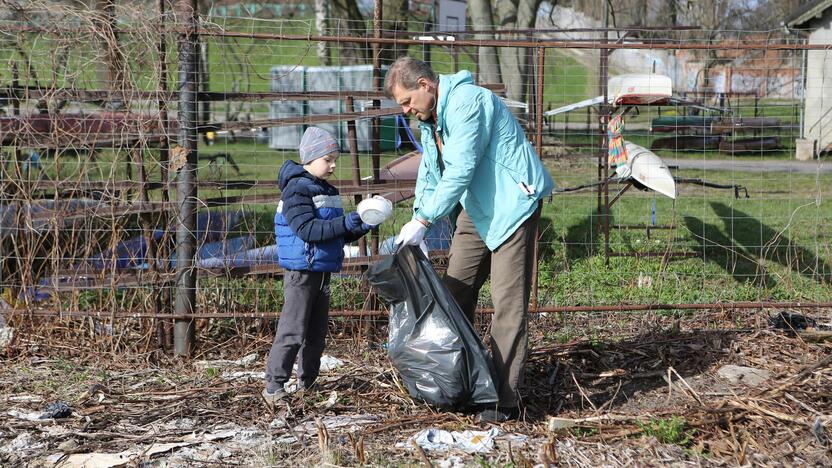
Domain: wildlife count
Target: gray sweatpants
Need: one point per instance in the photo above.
(469, 264)
(301, 329)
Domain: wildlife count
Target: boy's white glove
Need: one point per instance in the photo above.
(412, 233)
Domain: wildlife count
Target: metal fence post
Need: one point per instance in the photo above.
(186, 189)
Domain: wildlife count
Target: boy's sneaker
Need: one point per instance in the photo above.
(273, 398)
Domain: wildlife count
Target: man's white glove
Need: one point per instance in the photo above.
(412, 233)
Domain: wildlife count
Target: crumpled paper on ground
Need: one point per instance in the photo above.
(440, 441)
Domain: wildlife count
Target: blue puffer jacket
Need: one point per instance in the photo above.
(310, 225)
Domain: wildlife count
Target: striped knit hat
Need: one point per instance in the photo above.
(316, 143)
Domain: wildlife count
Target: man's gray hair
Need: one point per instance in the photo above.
(406, 72)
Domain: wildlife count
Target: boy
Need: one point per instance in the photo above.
(311, 231)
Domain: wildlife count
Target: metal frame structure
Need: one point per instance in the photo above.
(189, 96)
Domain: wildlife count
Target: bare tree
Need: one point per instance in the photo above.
(514, 67)
(482, 18)
(321, 12)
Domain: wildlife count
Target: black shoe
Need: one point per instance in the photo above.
(498, 415)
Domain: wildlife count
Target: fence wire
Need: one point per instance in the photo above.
(91, 154)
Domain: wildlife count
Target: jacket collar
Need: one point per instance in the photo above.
(447, 84)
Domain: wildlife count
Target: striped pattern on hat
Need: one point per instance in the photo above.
(316, 143)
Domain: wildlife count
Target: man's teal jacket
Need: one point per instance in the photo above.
(487, 163)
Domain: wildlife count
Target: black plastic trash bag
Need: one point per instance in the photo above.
(435, 349)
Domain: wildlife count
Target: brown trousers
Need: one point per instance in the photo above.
(510, 266)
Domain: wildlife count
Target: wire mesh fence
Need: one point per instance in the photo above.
(123, 172)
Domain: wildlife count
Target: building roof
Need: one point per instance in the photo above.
(807, 13)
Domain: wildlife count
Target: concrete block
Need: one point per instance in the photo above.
(804, 149)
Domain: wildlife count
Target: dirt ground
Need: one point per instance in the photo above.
(600, 390)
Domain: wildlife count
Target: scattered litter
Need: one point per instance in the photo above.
(102, 328)
(790, 321)
(277, 424)
(22, 443)
(6, 336)
(749, 376)
(556, 424)
(56, 410)
(454, 461)
(516, 440)
(328, 363)
(162, 448)
(25, 399)
(181, 424)
(212, 436)
(244, 361)
(351, 421)
(247, 360)
(820, 432)
(441, 441)
(28, 416)
(91, 460)
(247, 376)
(330, 402)
(250, 437)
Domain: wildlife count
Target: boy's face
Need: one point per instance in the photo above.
(323, 167)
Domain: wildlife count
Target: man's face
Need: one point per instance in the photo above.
(420, 102)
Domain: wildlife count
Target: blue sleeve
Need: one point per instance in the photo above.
(299, 210)
(425, 184)
(469, 131)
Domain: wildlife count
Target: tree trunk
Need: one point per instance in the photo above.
(516, 14)
(320, 25)
(489, 62)
(350, 22)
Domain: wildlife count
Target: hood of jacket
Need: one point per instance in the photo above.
(292, 170)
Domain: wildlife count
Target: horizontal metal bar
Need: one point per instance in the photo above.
(542, 43)
(302, 120)
(95, 95)
(380, 313)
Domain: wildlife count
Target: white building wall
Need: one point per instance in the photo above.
(817, 120)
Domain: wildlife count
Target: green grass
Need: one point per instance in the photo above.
(773, 245)
(671, 430)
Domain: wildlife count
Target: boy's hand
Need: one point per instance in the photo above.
(352, 221)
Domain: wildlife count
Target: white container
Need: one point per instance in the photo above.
(375, 211)
(637, 89)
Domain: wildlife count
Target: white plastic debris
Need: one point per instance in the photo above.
(92, 460)
(28, 416)
(244, 375)
(328, 363)
(441, 441)
(6, 336)
(330, 402)
(22, 443)
(351, 422)
(749, 376)
(454, 461)
(244, 361)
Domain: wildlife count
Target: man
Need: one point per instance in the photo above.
(475, 154)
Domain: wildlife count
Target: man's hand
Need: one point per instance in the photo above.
(412, 233)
